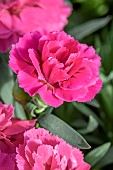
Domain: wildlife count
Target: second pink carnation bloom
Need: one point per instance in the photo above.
(42, 151)
(18, 17)
(11, 135)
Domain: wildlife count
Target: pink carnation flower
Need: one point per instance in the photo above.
(6, 113)
(11, 135)
(42, 151)
(56, 67)
(18, 17)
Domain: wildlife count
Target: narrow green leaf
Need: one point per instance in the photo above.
(85, 29)
(19, 111)
(106, 100)
(110, 77)
(63, 130)
(97, 154)
(86, 111)
(6, 83)
(94, 103)
(48, 110)
(108, 159)
(92, 125)
(106, 79)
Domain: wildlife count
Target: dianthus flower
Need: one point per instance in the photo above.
(11, 135)
(57, 67)
(18, 17)
(6, 113)
(42, 151)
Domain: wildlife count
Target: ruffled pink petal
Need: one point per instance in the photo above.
(55, 22)
(6, 113)
(29, 82)
(36, 62)
(63, 149)
(87, 52)
(41, 43)
(5, 44)
(71, 45)
(83, 166)
(55, 162)
(19, 127)
(6, 19)
(38, 133)
(53, 46)
(4, 32)
(38, 163)
(73, 64)
(63, 163)
(92, 91)
(62, 54)
(45, 51)
(57, 74)
(24, 44)
(45, 152)
(78, 155)
(47, 67)
(94, 65)
(61, 36)
(22, 163)
(48, 97)
(70, 95)
(80, 79)
(31, 148)
(16, 63)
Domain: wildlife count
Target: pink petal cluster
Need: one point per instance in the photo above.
(37, 149)
(6, 113)
(11, 135)
(42, 151)
(18, 17)
(57, 67)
